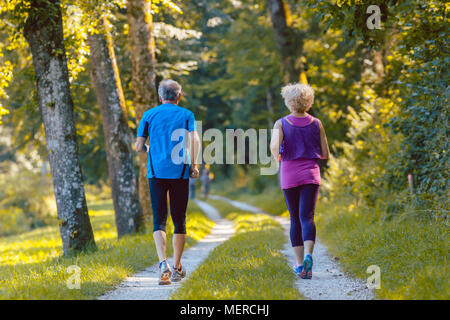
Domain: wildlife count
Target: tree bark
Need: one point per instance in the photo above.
(289, 43)
(108, 89)
(44, 32)
(373, 65)
(378, 65)
(143, 61)
(269, 105)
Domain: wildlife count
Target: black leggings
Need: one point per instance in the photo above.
(178, 194)
(301, 203)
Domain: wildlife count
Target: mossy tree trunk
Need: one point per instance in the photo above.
(108, 89)
(44, 32)
(143, 61)
(289, 42)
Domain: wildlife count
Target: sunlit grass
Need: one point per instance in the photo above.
(412, 252)
(270, 200)
(250, 265)
(31, 266)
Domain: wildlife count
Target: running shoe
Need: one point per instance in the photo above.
(164, 273)
(307, 267)
(297, 269)
(178, 274)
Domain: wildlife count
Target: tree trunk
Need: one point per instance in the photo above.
(143, 61)
(44, 32)
(108, 89)
(289, 43)
(373, 66)
(269, 105)
(378, 65)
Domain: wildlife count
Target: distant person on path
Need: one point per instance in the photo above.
(300, 141)
(166, 175)
(192, 183)
(205, 179)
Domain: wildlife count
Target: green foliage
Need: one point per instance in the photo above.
(13, 220)
(414, 41)
(351, 17)
(27, 202)
(424, 120)
(364, 169)
(252, 67)
(5, 77)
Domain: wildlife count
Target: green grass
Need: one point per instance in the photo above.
(270, 200)
(247, 266)
(31, 266)
(412, 252)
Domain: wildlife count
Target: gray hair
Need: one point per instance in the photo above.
(298, 97)
(169, 90)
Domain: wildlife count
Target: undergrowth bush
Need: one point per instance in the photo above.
(26, 201)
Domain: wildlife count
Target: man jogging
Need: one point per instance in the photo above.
(166, 174)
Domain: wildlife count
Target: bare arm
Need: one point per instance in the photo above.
(195, 150)
(140, 145)
(277, 138)
(324, 150)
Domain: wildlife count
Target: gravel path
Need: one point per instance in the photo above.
(328, 282)
(144, 285)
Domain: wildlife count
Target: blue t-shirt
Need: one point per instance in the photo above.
(160, 124)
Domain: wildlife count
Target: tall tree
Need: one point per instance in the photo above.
(143, 61)
(289, 42)
(44, 32)
(108, 89)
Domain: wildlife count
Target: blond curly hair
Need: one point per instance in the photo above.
(298, 97)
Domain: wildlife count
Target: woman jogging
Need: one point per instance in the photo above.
(299, 140)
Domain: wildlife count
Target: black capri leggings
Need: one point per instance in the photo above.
(178, 194)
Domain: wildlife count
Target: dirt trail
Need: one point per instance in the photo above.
(144, 284)
(328, 282)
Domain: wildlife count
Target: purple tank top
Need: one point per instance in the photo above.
(301, 138)
(300, 151)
